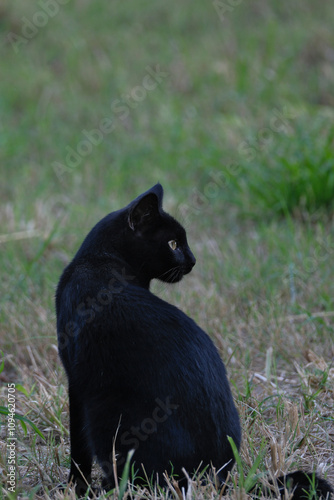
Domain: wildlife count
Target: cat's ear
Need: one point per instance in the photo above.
(146, 208)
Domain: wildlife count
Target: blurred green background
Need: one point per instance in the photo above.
(228, 104)
(242, 82)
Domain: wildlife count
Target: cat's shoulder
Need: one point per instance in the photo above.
(114, 287)
(90, 273)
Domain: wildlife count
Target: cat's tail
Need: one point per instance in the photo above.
(304, 485)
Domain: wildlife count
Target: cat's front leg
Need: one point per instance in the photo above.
(81, 454)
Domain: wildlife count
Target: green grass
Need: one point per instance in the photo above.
(293, 175)
(239, 130)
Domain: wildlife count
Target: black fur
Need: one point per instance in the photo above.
(304, 485)
(140, 372)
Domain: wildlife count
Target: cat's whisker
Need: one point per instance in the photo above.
(171, 274)
(167, 273)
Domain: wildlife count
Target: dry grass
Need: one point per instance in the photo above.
(279, 366)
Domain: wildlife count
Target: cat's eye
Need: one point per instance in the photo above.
(173, 244)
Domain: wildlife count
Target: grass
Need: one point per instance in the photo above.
(295, 176)
(238, 129)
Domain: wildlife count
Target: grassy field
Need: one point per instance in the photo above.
(230, 106)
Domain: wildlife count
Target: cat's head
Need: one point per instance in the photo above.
(158, 243)
(144, 238)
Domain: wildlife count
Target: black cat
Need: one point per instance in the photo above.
(141, 374)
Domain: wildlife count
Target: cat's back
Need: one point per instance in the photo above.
(88, 279)
(105, 281)
(127, 349)
(112, 314)
(106, 290)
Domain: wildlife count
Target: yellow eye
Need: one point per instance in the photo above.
(173, 244)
